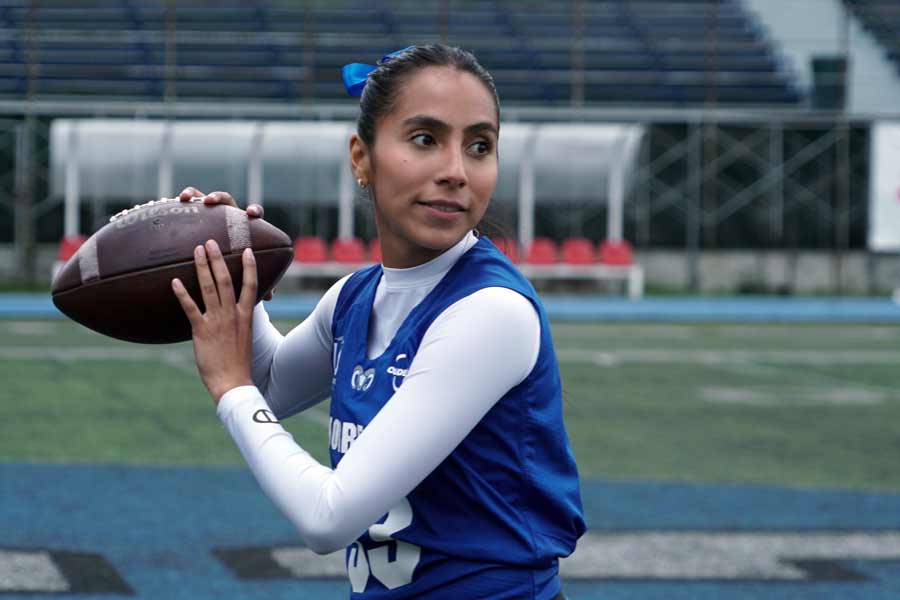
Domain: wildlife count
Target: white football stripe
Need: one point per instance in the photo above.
(30, 572)
(238, 230)
(88, 263)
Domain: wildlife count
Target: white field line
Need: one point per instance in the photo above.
(816, 389)
(78, 353)
(182, 360)
(566, 355)
(31, 328)
(660, 332)
(728, 357)
(794, 396)
(778, 372)
(744, 362)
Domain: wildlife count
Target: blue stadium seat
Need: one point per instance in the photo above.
(634, 51)
(882, 19)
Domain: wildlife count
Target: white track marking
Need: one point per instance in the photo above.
(688, 555)
(720, 555)
(303, 563)
(30, 572)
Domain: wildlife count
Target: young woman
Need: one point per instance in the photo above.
(452, 475)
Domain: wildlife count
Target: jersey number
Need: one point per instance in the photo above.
(393, 563)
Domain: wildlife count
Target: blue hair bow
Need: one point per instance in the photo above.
(355, 75)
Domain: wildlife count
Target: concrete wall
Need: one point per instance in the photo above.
(803, 29)
(721, 272)
(800, 273)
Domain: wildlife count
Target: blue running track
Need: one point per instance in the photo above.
(159, 529)
(569, 307)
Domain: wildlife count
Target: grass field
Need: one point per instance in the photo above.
(796, 405)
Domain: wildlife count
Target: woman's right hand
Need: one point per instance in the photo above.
(254, 211)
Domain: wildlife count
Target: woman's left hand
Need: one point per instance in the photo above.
(221, 335)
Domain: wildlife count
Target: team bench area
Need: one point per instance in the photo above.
(575, 259)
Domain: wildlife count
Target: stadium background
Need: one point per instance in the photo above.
(734, 425)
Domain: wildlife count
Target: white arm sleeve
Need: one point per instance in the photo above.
(492, 337)
(293, 372)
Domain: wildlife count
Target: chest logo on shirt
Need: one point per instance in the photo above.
(398, 370)
(361, 380)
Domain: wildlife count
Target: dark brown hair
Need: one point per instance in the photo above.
(381, 90)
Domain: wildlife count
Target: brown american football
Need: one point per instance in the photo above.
(118, 283)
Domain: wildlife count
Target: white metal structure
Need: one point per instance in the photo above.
(303, 162)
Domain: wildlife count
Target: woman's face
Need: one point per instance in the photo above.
(433, 166)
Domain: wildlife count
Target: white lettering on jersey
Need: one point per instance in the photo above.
(357, 567)
(348, 434)
(335, 438)
(342, 434)
(393, 567)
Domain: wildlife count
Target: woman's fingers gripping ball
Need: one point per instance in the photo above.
(222, 333)
(254, 211)
(190, 193)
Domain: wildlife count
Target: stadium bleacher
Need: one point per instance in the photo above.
(678, 52)
(882, 19)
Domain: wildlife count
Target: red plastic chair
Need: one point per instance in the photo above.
(508, 247)
(348, 250)
(578, 251)
(375, 250)
(542, 252)
(310, 249)
(69, 245)
(616, 253)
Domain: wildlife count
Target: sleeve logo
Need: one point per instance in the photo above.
(264, 416)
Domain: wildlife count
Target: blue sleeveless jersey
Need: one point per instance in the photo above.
(492, 519)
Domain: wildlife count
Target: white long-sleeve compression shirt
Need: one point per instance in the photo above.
(491, 336)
